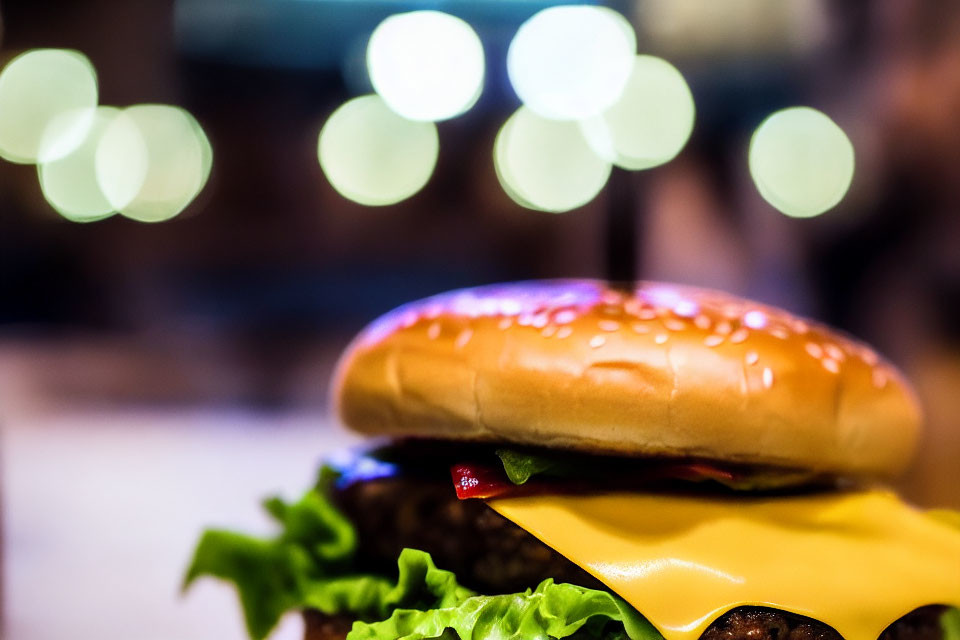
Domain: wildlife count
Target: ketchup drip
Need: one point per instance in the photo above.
(479, 481)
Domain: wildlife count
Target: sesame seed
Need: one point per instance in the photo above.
(463, 338)
(647, 314)
(879, 379)
(780, 332)
(835, 352)
(660, 338)
(564, 332)
(597, 341)
(831, 365)
(632, 306)
(702, 322)
(673, 324)
(755, 319)
(540, 320)
(564, 317)
(639, 327)
(752, 357)
(723, 328)
(549, 330)
(713, 340)
(767, 377)
(505, 323)
(609, 325)
(433, 331)
(815, 350)
(738, 336)
(800, 326)
(869, 356)
(612, 311)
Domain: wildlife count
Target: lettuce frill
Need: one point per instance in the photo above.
(310, 564)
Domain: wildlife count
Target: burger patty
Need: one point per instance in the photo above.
(490, 554)
(487, 552)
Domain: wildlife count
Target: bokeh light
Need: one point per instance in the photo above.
(571, 62)
(547, 164)
(47, 102)
(426, 65)
(120, 161)
(152, 161)
(373, 156)
(70, 184)
(801, 161)
(651, 121)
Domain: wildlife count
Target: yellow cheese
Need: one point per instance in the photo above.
(856, 561)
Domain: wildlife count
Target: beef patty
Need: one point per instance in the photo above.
(487, 552)
(490, 554)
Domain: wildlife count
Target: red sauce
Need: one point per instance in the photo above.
(478, 481)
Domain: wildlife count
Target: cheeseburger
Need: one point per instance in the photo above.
(568, 460)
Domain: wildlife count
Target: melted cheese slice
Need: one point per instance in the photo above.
(856, 561)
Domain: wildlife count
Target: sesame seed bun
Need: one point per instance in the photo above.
(662, 370)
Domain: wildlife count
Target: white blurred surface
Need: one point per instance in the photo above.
(102, 509)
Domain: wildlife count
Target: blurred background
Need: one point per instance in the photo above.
(159, 377)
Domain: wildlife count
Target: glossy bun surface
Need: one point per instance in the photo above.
(660, 370)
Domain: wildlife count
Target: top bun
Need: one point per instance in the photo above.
(661, 370)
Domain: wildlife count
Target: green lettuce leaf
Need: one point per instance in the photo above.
(950, 621)
(420, 585)
(550, 611)
(309, 564)
(315, 524)
(264, 572)
(520, 466)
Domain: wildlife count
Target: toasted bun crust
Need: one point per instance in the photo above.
(662, 370)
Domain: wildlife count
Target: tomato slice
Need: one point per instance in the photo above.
(479, 481)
